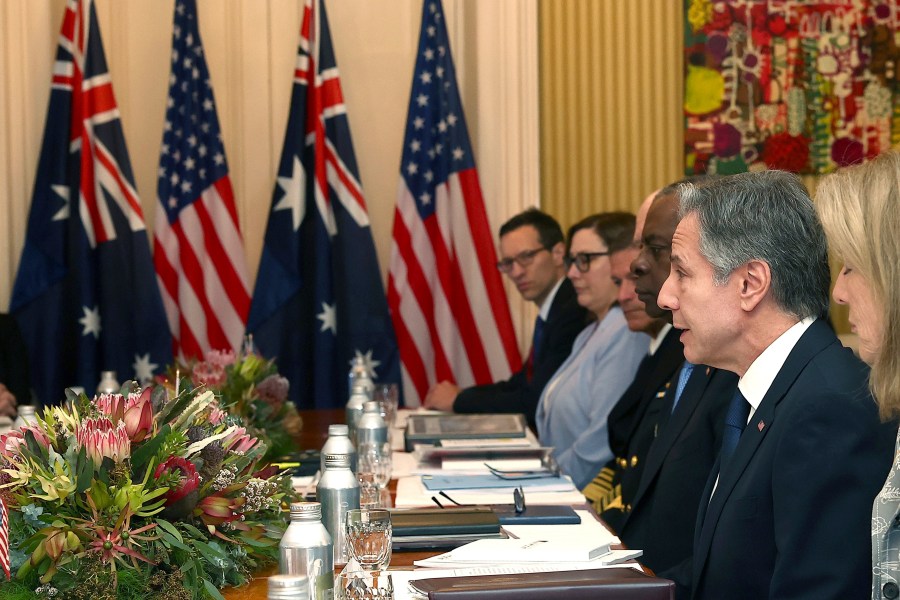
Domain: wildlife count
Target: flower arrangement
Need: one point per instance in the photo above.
(133, 495)
(249, 387)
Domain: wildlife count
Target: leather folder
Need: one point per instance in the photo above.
(466, 520)
(537, 514)
(595, 584)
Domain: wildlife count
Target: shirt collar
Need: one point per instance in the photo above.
(656, 342)
(762, 372)
(548, 301)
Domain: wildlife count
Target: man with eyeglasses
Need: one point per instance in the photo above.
(531, 255)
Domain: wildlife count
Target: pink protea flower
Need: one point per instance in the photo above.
(101, 439)
(238, 441)
(216, 414)
(135, 411)
(190, 480)
(12, 441)
(209, 374)
(221, 358)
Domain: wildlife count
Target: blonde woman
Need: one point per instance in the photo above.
(860, 209)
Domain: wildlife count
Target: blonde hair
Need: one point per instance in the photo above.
(860, 210)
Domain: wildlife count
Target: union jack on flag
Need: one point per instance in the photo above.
(319, 300)
(85, 296)
(198, 249)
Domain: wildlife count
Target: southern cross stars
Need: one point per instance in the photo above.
(91, 321)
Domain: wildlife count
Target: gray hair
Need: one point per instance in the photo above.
(765, 216)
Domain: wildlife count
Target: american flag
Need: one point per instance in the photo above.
(446, 297)
(319, 300)
(4, 538)
(197, 244)
(85, 296)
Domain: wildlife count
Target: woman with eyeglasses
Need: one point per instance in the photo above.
(573, 408)
(860, 210)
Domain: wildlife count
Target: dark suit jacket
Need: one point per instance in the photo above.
(792, 512)
(14, 360)
(664, 507)
(632, 422)
(565, 321)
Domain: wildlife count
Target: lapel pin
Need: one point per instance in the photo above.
(707, 371)
(760, 425)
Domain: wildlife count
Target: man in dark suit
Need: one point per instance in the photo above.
(531, 251)
(673, 444)
(787, 507)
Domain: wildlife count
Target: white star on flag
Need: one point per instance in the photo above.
(294, 188)
(368, 361)
(143, 368)
(91, 321)
(63, 192)
(328, 316)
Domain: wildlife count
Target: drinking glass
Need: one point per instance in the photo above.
(369, 537)
(388, 395)
(373, 466)
(364, 585)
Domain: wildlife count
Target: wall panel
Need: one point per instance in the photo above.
(610, 103)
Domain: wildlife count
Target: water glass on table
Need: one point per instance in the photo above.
(373, 472)
(388, 395)
(364, 585)
(369, 537)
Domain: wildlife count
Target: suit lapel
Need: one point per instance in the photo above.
(814, 340)
(690, 399)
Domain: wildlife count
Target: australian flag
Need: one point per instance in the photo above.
(85, 296)
(319, 300)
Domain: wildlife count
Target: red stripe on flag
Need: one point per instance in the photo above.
(231, 281)
(192, 276)
(415, 368)
(4, 538)
(421, 289)
(487, 259)
(109, 162)
(99, 99)
(453, 285)
(351, 184)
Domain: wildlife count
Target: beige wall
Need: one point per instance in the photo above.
(611, 119)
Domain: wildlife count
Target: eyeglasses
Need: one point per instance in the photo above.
(523, 259)
(582, 260)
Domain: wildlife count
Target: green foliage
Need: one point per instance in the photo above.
(90, 519)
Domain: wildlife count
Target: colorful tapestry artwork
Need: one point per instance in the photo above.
(801, 85)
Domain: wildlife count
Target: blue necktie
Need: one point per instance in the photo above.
(538, 338)
(735, 421)
(683, 377)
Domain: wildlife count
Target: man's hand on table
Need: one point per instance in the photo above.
(441, 396)
(7, 402)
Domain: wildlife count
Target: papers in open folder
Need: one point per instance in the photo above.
(529, 550)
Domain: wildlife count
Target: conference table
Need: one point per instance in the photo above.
(313, 436)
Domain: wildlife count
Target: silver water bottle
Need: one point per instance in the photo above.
(306, 549)
(338, 491)
(358, 397)
(288, 587)
(371, 427)
(338, 442)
